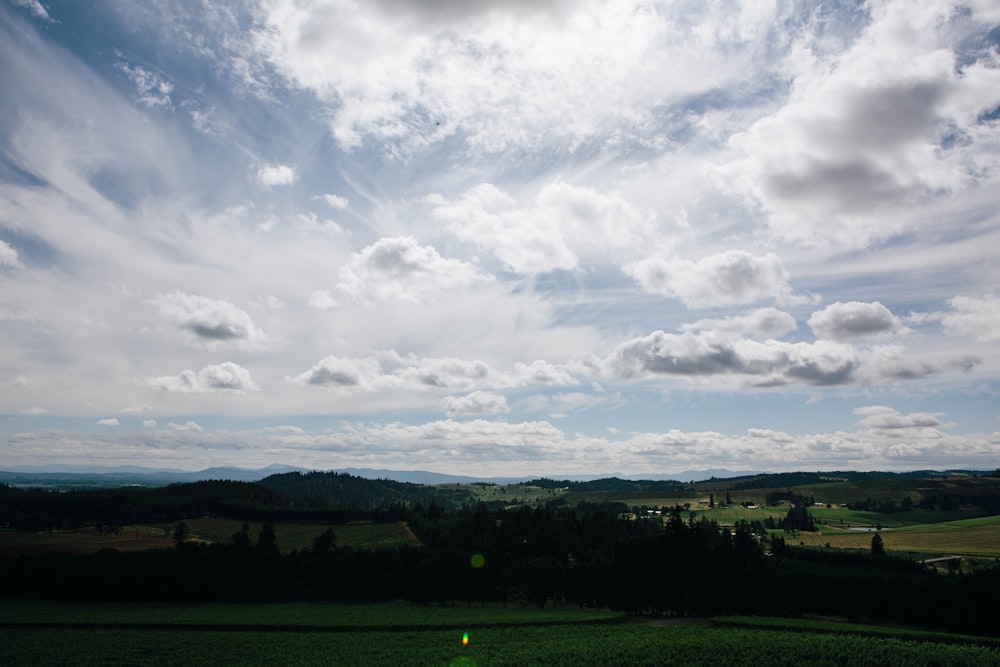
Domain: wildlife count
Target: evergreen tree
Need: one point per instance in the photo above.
(878, 548)
(182, 532)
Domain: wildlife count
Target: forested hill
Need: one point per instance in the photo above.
(345, 490)
(790, 479)
(610, 484)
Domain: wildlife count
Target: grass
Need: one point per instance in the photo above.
(845, 627)
(337, 635)
(975, 537)
(297, 615)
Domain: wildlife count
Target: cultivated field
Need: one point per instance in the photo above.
(398, 634)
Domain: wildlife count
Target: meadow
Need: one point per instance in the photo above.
(401, 634)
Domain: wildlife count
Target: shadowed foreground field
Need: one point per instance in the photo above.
(38, 633)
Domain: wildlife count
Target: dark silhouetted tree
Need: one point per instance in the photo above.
(324, 543)
(182, 532)
(878, 547)
(267, 538)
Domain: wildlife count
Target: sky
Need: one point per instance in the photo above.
(500, 238)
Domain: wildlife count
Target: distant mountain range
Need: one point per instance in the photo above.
(91, 475)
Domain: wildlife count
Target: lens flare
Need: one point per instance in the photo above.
(465, 639)
(477, 561)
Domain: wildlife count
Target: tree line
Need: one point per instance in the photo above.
(588, 555)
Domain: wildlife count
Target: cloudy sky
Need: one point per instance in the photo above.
(500, 237)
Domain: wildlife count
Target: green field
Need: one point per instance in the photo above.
(397, 634)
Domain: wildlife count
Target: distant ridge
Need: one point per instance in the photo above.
(92, 476)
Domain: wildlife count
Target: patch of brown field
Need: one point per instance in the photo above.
(410, 534)
(82, 541)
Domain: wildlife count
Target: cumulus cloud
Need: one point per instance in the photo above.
(391, 370)
(8, 256)
(444, 372)
(335, 201)
(211, 321)
(225, 377)
(564, 224)
(972, 317)
(854, 319)
(275, 175)
(186, 427)
(475, 403)
(894, 121)
(764, 322)
(108, 422)
(34, 411)
(733, 277)
(882, 417)
(401, 269)
(541, 372)
(761, 363)
(149, 423)
(339, 372)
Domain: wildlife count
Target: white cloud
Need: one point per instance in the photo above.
(8, 256)
(211, 321)
(764, 322)
(763, 363)
(882, 417)
(336, 372)
(565, 224)
(224, 377)
(335, 201)
(733, 277)
(136, 409)
(34, 411)
(109, 422)
(152, 90)
(391, 370)
(844, 321)
(972, 317)
(890, 124)
(322, 300)
(36, 8)
(446, 372)
(506, 77)
(401, 269)
(186, 427)
(275, 175)
(543, 373)
(149, 423)
(475, 403)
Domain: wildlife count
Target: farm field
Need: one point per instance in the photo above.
(970, 537)
(209, 529)
(527, 637)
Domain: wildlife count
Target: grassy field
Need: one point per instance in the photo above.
(417, 635)
(290, 536)
(970, 537)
